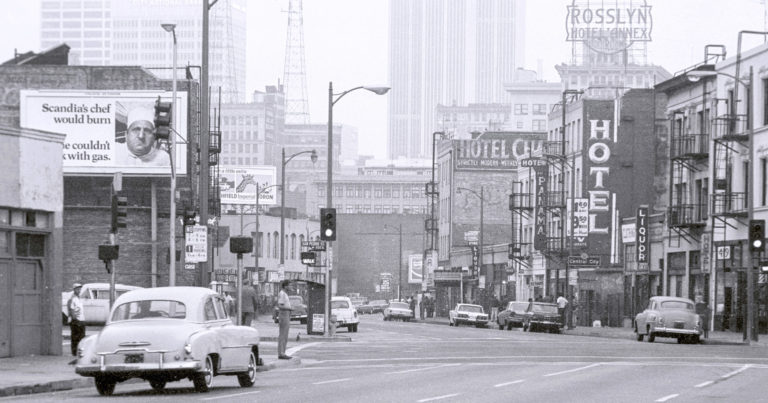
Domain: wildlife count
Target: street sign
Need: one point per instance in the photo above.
(584, 261)
(471, 237)
(308, 258)
(196, 244)
(314, 246)
(723, 253)
(189, 266)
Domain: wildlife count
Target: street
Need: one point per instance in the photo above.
(421, 362)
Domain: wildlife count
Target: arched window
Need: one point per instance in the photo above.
(269, 244)
(276, 246)
(293, 246)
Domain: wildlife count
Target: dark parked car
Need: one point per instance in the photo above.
(299, 311)
(375, 306)
(543, 317)
(512, 316)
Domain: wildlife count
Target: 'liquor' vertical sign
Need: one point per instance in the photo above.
(642, 240)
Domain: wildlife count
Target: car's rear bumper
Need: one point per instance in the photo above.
(138, 370)
(673, 332)
(471, 321)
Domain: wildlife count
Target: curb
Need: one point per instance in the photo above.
(306, 338)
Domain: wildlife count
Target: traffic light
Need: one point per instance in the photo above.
(163, 113)
(119, 212)
(328, 224)
(756, 235)
(189, 216)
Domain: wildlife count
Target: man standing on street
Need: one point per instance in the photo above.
(562, 302)
(249, 304)
(284, 318)
(76, 318)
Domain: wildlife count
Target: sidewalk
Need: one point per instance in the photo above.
(40, 374)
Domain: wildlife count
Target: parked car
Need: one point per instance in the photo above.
(543, 317)
(468, 314)
(166, 334)
(398, 310)
(669, 317)
(375, 306)
(513, 315)
(299, 311)
(95, 299)
(346, 315)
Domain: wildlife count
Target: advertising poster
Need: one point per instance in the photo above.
(414, 269)
(108, 131)
(240, 184)
(496, 151)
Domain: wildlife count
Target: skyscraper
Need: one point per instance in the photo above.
(449, 53)
(128, 32)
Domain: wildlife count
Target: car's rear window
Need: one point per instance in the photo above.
(470, 308)
(339, 304)
(150, 309)
(545, 308)
(519, 306)
(399, 305)
(676, 305)
(378, 302)
(296, 299)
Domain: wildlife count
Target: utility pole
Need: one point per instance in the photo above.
(204, 142)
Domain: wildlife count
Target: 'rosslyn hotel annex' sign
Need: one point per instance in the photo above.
(609, 26)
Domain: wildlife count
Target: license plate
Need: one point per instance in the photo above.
(134, 358)
(679, 325)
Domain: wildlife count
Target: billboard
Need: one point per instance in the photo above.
(107, 131)
(496, 151)
(414, 269)
(239, 184)
(608, 27)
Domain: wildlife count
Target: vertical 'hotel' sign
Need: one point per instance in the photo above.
(642, 240)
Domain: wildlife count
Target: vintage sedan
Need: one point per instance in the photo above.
(468, 314)
(669, 317)
(513, 315)
(167, 334)
(299, 311)
(398, 310)
(374, 306)
(95, 299)
(345, 313)
(543, 317)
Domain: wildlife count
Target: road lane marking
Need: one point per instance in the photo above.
(703, 384)
(738, 371)
(332, 381)
(226, 396)
(298, 348)
(508, 383)
(573, 370)
(422, 369)
(665, 398)
(429, 399)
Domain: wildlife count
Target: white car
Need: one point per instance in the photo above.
(95, 299)
(346, 314)
(167, 334)
(468, 314)
(398, 310)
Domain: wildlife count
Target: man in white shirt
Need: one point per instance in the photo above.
(562, 302)
(76, 317)
(284, 318)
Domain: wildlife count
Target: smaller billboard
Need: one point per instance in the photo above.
(414, 269)
(241, 184)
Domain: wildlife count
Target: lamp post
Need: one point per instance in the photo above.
(332, 99)
(172, 219)
(282, 198)
(399, 259)
(480, 252)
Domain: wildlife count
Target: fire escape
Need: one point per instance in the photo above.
(689, 153)
(554, 205)
(521, 208)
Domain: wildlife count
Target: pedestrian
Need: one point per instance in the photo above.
(702, 309)
(250, 304)
(570, 311)
(284, 318)
(76, 319)
(423, 306)
(562, 302)
(412, 306)
(230, 302)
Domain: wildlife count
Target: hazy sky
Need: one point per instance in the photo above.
(346, 42)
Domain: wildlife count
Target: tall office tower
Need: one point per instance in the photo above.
(447, 53)
(294, 69)
(128, 32)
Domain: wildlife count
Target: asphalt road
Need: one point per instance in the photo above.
(418, 362)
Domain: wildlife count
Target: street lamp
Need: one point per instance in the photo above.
(332, 99)
(282, 198)
(172, 221)
(480, 251)
(399, 259)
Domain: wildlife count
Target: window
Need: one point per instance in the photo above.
(763, 180)
(521, 109)
(765, 101)
(519, 125)
(539, 109)
(539, 125)
(210, 311)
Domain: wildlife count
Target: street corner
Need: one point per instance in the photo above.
(272, 362)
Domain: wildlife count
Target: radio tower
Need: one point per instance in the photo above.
(294, 70)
